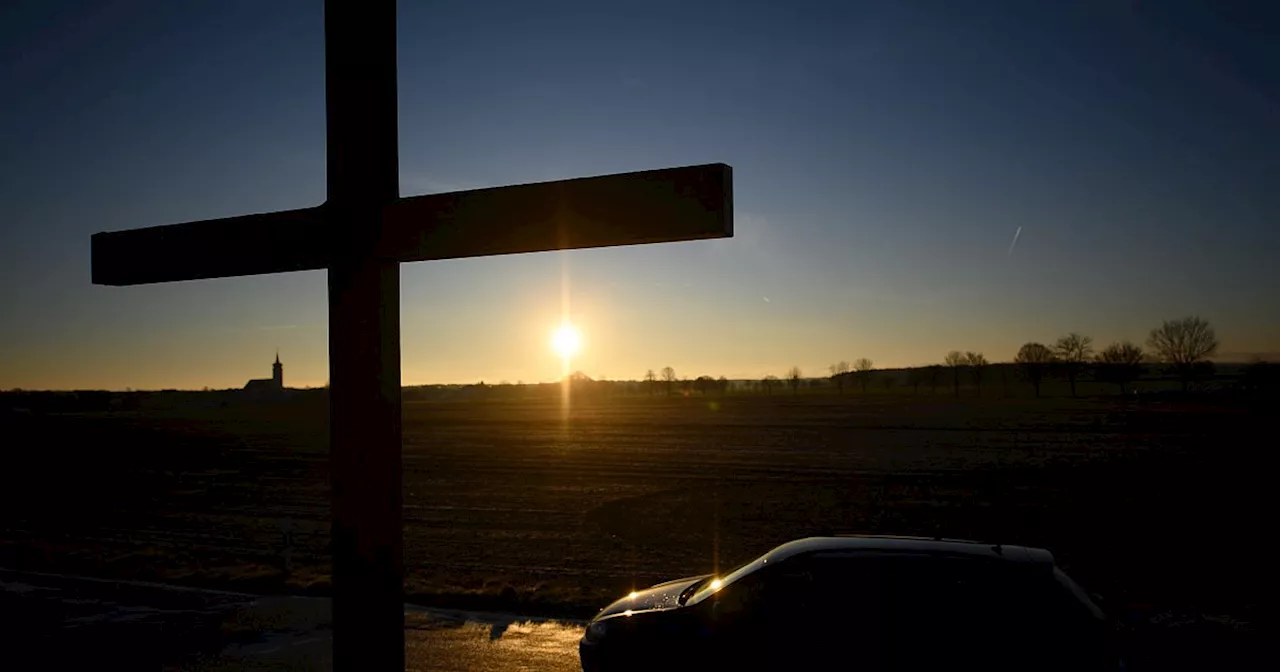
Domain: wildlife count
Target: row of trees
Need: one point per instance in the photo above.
(1183, 346)
(861, 368)
(670, 382)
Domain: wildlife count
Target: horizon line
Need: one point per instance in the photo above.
(504, 383)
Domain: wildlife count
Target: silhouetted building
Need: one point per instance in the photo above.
(268, 386)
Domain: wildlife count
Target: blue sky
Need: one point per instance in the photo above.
(884, 156)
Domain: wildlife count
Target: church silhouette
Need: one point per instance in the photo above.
(268, 386)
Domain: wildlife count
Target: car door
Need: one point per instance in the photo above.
(961, 613)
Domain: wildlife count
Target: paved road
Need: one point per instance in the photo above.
(66, 622)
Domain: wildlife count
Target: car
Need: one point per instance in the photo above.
(860, 603)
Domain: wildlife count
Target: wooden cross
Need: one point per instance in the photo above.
(360, 235)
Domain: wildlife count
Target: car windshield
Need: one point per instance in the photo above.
(713, 584)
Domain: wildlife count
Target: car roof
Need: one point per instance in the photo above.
(915, 545)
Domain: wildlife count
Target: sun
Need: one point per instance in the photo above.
(566, 340)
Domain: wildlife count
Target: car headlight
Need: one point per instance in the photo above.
(597, 630)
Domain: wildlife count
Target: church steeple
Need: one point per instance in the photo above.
(277, 372)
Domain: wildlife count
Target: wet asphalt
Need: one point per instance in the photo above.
(59, 622)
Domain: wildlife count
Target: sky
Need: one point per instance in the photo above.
(884, 155)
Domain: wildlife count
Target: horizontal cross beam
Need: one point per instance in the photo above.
(673, 204)
(273, 242)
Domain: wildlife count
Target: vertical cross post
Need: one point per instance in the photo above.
(364, 336)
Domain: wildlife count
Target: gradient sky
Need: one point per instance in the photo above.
(884, 155)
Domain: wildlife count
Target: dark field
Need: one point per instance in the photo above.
(514, 505)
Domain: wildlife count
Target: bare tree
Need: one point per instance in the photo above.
(793, 378)
(977, 366)
(839, 372)
(1034, 360)
(1183, 344)
(864, 367)
(1119, 363)
(650, 380)
(956, 361)
(668, 379)
(1074, 352)
(769, 382)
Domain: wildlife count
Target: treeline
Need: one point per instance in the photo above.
(1177, 349)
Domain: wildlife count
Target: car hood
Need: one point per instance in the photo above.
(655, 598)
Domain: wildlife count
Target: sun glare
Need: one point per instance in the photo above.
(566, 341)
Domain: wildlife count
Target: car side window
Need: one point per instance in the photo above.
(787, 587)
(838, 590)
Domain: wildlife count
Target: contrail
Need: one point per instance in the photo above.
(1015, 241)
